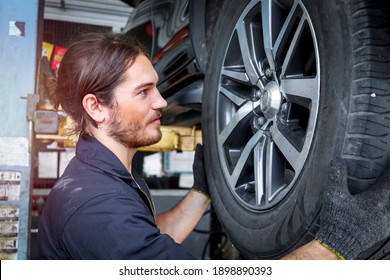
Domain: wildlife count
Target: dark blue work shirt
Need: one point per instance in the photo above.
(98, 210)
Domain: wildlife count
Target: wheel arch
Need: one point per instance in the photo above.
(197, 10)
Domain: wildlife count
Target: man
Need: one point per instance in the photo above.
(101, 208)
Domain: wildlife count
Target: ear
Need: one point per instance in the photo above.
(96, 111)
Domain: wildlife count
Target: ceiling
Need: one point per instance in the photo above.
(112, 13)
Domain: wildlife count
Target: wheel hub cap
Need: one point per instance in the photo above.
(270, 100)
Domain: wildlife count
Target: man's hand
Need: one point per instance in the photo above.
(182, 219)
(351, 224)
(200, 182)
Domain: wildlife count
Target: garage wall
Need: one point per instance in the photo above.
(18, 57)
(18, 62)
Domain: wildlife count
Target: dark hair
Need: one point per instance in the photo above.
(94, 63)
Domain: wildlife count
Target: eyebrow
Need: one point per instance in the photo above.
(143, 85)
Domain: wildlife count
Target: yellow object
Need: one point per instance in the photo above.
(179, 138)
(176, 138)
(47, 50)
(339, 256)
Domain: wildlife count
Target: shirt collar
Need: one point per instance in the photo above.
(92, 152)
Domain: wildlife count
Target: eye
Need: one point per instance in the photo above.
(142, 93)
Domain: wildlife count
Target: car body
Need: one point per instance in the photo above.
(279, 88)
(178, 57)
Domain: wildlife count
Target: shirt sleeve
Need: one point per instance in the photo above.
(117, 227)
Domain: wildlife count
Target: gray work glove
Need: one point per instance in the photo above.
(200, 182)
(351, 224)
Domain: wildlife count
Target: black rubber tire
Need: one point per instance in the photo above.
(353, 120)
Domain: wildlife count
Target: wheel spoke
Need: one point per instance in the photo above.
(304, 92)
(232, 95)
(304, 88)
(259, 167)
(235, 75)
(292, 155)
(266, 12)
(235, 122)
(274, 175)
(247, 52)
(293, 45)
(284, 34)
(246, 152)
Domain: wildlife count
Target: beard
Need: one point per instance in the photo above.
(131, 134)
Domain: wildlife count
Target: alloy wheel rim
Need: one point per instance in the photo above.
(267, 102)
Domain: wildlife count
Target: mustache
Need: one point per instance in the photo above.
(156, 116)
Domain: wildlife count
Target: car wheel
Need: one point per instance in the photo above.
(289, 86)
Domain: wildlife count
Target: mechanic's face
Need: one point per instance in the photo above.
(135, 119)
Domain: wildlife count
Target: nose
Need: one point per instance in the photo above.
(159, 102)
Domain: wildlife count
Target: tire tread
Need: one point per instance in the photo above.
(366, 146)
